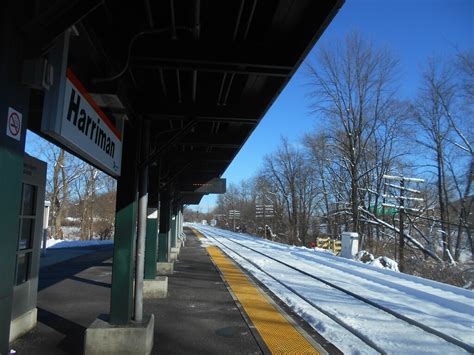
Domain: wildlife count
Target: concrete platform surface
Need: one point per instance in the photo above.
(71, 296)
(199, 316)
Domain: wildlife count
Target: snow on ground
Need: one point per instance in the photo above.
(71, 232)
(382, 262)
(62, 243)
(71, 239)
(445, 308)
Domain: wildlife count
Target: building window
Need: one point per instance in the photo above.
(26, 235)
(22, 268)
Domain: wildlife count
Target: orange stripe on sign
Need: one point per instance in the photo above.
(70, 75)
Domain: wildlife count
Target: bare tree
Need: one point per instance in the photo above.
(352, 86)
(463, 207)
(430, 115)
(72, 187)
(66, 169)
(465, 65)
(59, 195)
(293, 179)
(86, 192)
(319, 153)
(444, 100)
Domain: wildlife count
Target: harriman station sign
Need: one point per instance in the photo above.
(83, 127)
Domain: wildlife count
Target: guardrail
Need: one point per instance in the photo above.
(329, 244)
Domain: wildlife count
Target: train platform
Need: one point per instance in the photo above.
(212, 307)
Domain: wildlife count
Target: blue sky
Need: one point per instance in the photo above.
(412, 29)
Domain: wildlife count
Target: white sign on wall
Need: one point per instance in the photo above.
(82, 126)
(14, 119)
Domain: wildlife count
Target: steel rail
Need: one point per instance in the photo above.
(422, 326)
(346, 326)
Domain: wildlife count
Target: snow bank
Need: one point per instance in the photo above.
(385, 263)
(58, 243)
(315, 248)
(71, 232)
(381, 262)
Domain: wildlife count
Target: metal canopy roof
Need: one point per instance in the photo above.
(203, 72)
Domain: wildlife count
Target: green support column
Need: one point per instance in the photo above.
(164, 235)
(15, 96)
(121, 303)
(151, 244)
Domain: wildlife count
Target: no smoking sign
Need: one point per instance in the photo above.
(14, 124)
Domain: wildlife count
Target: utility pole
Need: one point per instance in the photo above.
(264, 224)
(233, 214)
(264, 211)
(401, 241)
(400, 206)
(260, 213)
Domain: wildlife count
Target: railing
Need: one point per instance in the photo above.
(329, 244)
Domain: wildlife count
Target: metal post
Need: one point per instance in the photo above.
(178, 224)
(174, 228)
(264, 223)
(141, 232)
(401, 245)
(47, 205)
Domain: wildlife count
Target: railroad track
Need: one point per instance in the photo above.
(363, 337)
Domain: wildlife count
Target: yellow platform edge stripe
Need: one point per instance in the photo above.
(199, 235)
(280, 336)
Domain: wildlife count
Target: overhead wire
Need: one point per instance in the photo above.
(129, 51)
